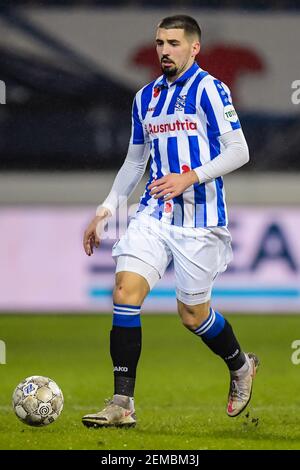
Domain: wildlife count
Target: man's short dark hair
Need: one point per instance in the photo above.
(187, 23)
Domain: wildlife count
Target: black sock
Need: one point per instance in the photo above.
(218, 335)
(125, 349)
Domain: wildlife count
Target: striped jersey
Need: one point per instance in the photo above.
(181, 122)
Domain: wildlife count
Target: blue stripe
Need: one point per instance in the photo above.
(200, 211)
(171, 107)
(276, 293)
(126, 320)
(138, 134)
(190, 106)
(161, 102)
(214, 149)
(216, 328)
(173, 159)
(222, 92)
(220, 202)
(157, 158)
(210, 114)
(158, 211)
(135, 307)
(146, 98)
(226, 101)
(218, 292)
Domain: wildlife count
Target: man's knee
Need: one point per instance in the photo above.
(192, 316)
(130, 288)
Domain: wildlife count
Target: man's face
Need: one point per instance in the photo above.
(176, 51)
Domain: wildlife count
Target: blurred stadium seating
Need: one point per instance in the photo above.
(69, 103)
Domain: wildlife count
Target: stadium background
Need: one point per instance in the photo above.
(71, 69)
(70, 75)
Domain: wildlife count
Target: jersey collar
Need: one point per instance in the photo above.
(181, 80)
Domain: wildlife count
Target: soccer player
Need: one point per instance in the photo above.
(186, 123)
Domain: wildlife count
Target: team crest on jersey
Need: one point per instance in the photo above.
(180, 103)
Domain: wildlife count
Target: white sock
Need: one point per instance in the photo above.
(124, 401)
(242, 370)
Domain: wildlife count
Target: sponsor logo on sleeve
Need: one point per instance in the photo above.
(230, 113)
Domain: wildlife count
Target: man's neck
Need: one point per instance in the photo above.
(173, 79)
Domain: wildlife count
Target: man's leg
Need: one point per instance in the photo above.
(218, 335)
(126, 334)
(130, 290)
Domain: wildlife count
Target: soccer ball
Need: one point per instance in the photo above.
(37, 401)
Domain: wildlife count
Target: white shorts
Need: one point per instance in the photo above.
(199, 255)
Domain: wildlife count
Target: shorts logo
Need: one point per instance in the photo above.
(196, 293)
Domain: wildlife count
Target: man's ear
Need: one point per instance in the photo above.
(196, 46)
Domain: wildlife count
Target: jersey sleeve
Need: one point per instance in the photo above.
(127, 178)
(217, 105)
(138, 133)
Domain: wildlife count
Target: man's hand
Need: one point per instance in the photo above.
(172, 185)
(91, 237)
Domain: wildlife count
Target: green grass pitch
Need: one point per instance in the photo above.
(181, 386)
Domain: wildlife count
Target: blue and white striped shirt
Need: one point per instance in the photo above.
(182, 122)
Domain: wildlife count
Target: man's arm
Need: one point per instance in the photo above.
(234, 155)
(124, 184)
(128, 177)
(126, 180)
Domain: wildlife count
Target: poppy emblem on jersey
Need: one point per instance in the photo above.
(185, 168)
(156, 92)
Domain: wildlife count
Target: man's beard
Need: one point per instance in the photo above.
(169, 72)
